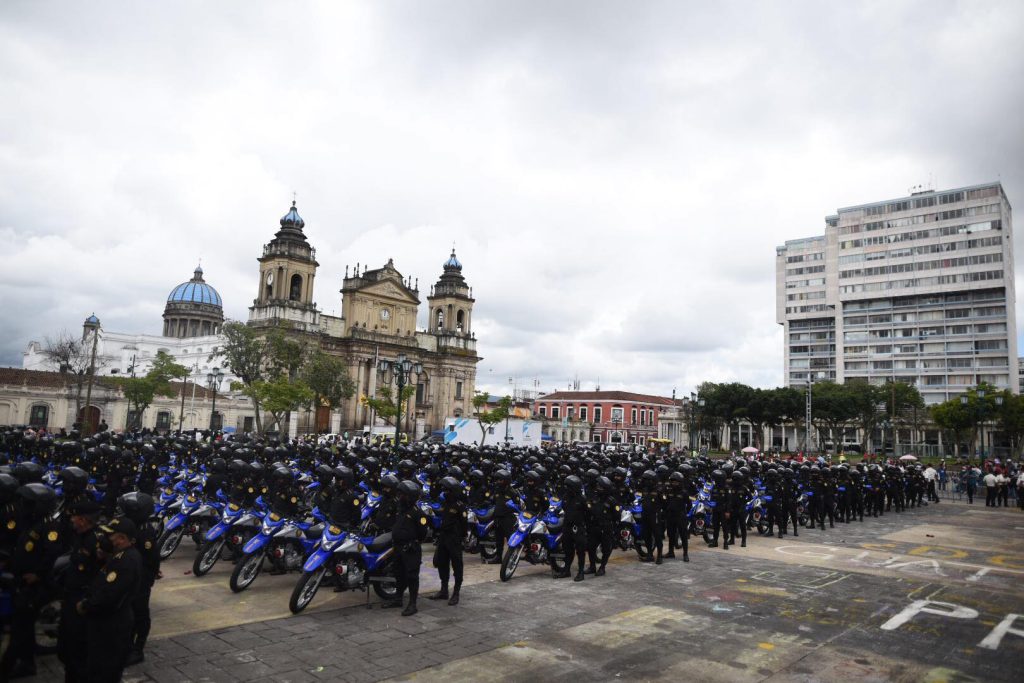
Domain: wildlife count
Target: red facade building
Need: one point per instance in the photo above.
(614, 416)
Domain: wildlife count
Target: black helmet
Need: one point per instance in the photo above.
(676, 478)
(238, 467)
(502, 475)
(281, 474)
(408, 490)
(74, 479)
(718, 476)
(324, 474)
(407, 469)
(573, 483)
(451, 485)
(738, 478)
(389, 483)
(40, 496)
(649, 477)
(218, 466)
(8, 486)
(604, 484)
(456, 472)
(534, 479)
(343, 474)
(29, 472)
(136, 506)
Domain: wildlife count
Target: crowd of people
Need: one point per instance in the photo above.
(77, 516)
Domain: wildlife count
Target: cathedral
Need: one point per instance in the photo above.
(379, 309)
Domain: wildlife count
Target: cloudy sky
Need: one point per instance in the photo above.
(615, 176)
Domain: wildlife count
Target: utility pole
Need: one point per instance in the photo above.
(87, 425)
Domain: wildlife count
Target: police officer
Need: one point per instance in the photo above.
(410, 529)
(449, 539)
(39, 545)
(652, 503)
(677, 510)
(107, 606)
(138, 507)
(574, 531)
(504, 515)
(604, 516)
(737, 505)
(72, 645)
(720, 512)
(346, 504)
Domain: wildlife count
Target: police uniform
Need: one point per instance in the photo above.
(84, 563)
(409, 531)
(149, 555)
(107, 608)
(449, 545)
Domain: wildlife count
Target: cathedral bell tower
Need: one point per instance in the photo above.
(451, 302)
(287, 270)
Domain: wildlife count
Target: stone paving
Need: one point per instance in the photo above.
(821, 607)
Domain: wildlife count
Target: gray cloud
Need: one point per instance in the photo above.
(615, 177)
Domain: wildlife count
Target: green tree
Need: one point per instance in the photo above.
(955, 420)
(281, 396)
(1010, 418)
(833, 407)
(327, 377)
(487, 418)
(866, 398)
(384, 403)
(140, 391)
(244, 353)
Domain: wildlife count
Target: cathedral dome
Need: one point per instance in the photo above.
(195, 291)
(194, 309)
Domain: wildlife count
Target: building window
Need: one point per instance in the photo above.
(597, 438)
(295, 289)
(248, 424)
(569, 411)
(643, 418)
(163, 420)
(133, 419)
(543, 411)
(632, 416)
(554, 412)
(617, 413)
(597, 414)
(39, 416)
(458, 391)
(583, 413)
(218, 421)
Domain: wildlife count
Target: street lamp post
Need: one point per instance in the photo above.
(213, 380)
(401, 371)
(808, 417)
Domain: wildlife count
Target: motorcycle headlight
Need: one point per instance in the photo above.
(524, 525)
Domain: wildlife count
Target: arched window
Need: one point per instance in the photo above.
(39, 416)
(439, 317)
(295, 290)
(460, 321)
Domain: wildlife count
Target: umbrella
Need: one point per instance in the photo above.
(750, 449)
(907, 458)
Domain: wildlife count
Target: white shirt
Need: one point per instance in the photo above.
(990, 479)
(930, 473)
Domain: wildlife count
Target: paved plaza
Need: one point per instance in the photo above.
(918, 596)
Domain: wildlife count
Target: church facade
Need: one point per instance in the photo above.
(378, 322)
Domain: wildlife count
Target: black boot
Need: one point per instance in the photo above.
(686, 557)
(590, 570)
(600, 571)
(455, 597)
(135, 657)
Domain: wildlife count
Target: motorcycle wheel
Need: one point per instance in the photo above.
(510, 562)
(47, 626)
(709, 536)
(169, 542)
(246, 571)
(306, 589)
(762, 526)
(488, 547)
(207, 556)
(387, 591)
(625, 538)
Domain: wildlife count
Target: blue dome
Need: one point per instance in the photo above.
(92, 320)
(195, 291)
(292, 219)
(453, 262)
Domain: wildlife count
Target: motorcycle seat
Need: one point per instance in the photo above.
(380, 543)
(486, 517)
(555, 527)
(315, 531)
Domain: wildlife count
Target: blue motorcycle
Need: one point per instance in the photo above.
(236, 526)
(480, 534)
(351, 562)
(537, 538)
(631, 528)
(194, 517)
(285, 542)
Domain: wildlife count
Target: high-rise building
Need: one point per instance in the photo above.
(918, 290)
